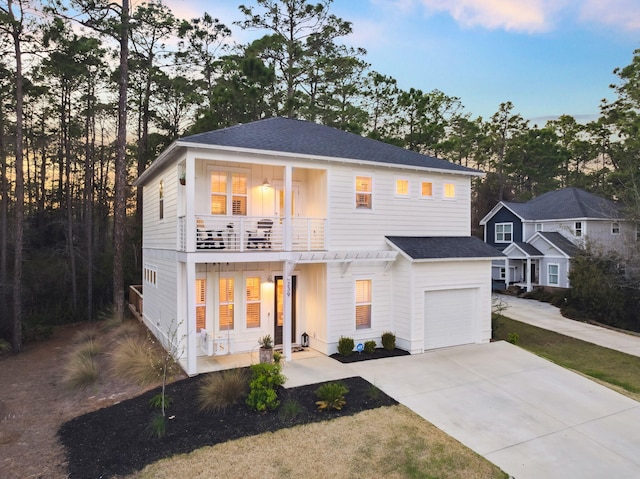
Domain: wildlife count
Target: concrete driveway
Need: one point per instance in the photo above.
(528, 416)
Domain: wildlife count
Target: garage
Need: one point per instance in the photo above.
(449, 317)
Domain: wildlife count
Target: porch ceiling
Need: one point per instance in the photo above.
(345, 256)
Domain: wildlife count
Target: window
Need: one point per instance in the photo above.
(615, 228)
(226, 304)
(503, 273)
(151, 275)
(253, 302)
(402, 187)
(201, 304)
(364, 192)
(426, 189)
(504, 233)
(228, 193)
(161, 199)
(449, 190)
(578, 228)
(538, 226)
(553, 274)
(363, 303)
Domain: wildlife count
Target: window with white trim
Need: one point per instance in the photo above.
(539, 227)
(201, 304)
(504, 232)
(363, 303)
(578, 228)
(226, 303)
(615, 228)
(553, 276)
(364, 192)
(252, 301)
(228, 193)
(503, 273)
(426, 189)
(449, 190)
(402, 187)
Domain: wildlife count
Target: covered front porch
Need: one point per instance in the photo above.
(521, 267)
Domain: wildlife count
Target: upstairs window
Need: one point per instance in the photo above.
(228, 193)
(402, 187)
(426, 189)
(504, 232)
(449, 190)
(253, 302)
(538, 227)
(615, 228)
(364, 190)
(578, 228)
(363, 304)
(161, 199)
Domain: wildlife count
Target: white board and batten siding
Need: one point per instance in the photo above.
(413, 215)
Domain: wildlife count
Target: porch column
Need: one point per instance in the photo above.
(288, 293)
(529, 287)
(288, 193)
(506, 273)
(190, 188)
(191, 341)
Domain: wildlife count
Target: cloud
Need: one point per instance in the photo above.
(625, 14)
(512, 15)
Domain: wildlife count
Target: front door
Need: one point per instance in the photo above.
(279, 310)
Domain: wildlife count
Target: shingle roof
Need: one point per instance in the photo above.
(566, 203)
(528, 248)
(441, 247)
(307, 138)
(560, 242)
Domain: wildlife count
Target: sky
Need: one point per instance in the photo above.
(547, 57)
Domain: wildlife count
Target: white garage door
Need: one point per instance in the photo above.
(449, 317)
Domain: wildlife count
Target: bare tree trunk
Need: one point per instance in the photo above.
(4, 202)
(16, 338)
(120, 202)
(89, 151)
(65, 111)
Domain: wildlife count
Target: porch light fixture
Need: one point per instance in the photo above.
(270, 279)
(266, 184)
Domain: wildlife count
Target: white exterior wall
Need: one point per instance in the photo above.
(436, 276)
(156, 232)
(403, 305)
(312, 304)
(351, 228)
(341, 311)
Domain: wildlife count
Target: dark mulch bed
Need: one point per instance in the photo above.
(377, 354)
(117, 440)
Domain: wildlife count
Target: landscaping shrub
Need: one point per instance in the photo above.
(81, 371)
(290, 409)
(135, 359)
(513, 338)
(160, 401)
(345, 346)
(218, 390)
(262, 388)
(331, 396)
(389, 341)
(370, 346)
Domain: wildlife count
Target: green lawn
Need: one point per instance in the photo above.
(619, 370)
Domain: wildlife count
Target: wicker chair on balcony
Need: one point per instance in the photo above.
(208, 239)
(261, 237)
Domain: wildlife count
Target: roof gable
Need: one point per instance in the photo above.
(307, 138)
(555, 239)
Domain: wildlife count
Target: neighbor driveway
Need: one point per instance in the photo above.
(528, 416)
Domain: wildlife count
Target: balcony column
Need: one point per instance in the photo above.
(287, 310)
(190, 202)
(288, 192)
(190, 304)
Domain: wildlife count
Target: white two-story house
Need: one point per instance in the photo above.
(287, 228)
(540, 237)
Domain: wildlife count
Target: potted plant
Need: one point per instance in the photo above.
(266, 349)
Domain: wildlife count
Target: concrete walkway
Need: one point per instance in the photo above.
(547, 316)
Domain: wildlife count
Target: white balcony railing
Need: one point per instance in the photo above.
(247, 233)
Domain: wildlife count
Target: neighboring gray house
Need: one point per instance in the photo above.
(540, 237)
(285, 227)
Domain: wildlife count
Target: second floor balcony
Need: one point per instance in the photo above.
(221, 233)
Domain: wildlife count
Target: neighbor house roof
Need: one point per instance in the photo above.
(527, 248)
(305, 138)
(560, 242)
(443, 247)
(566, 203)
